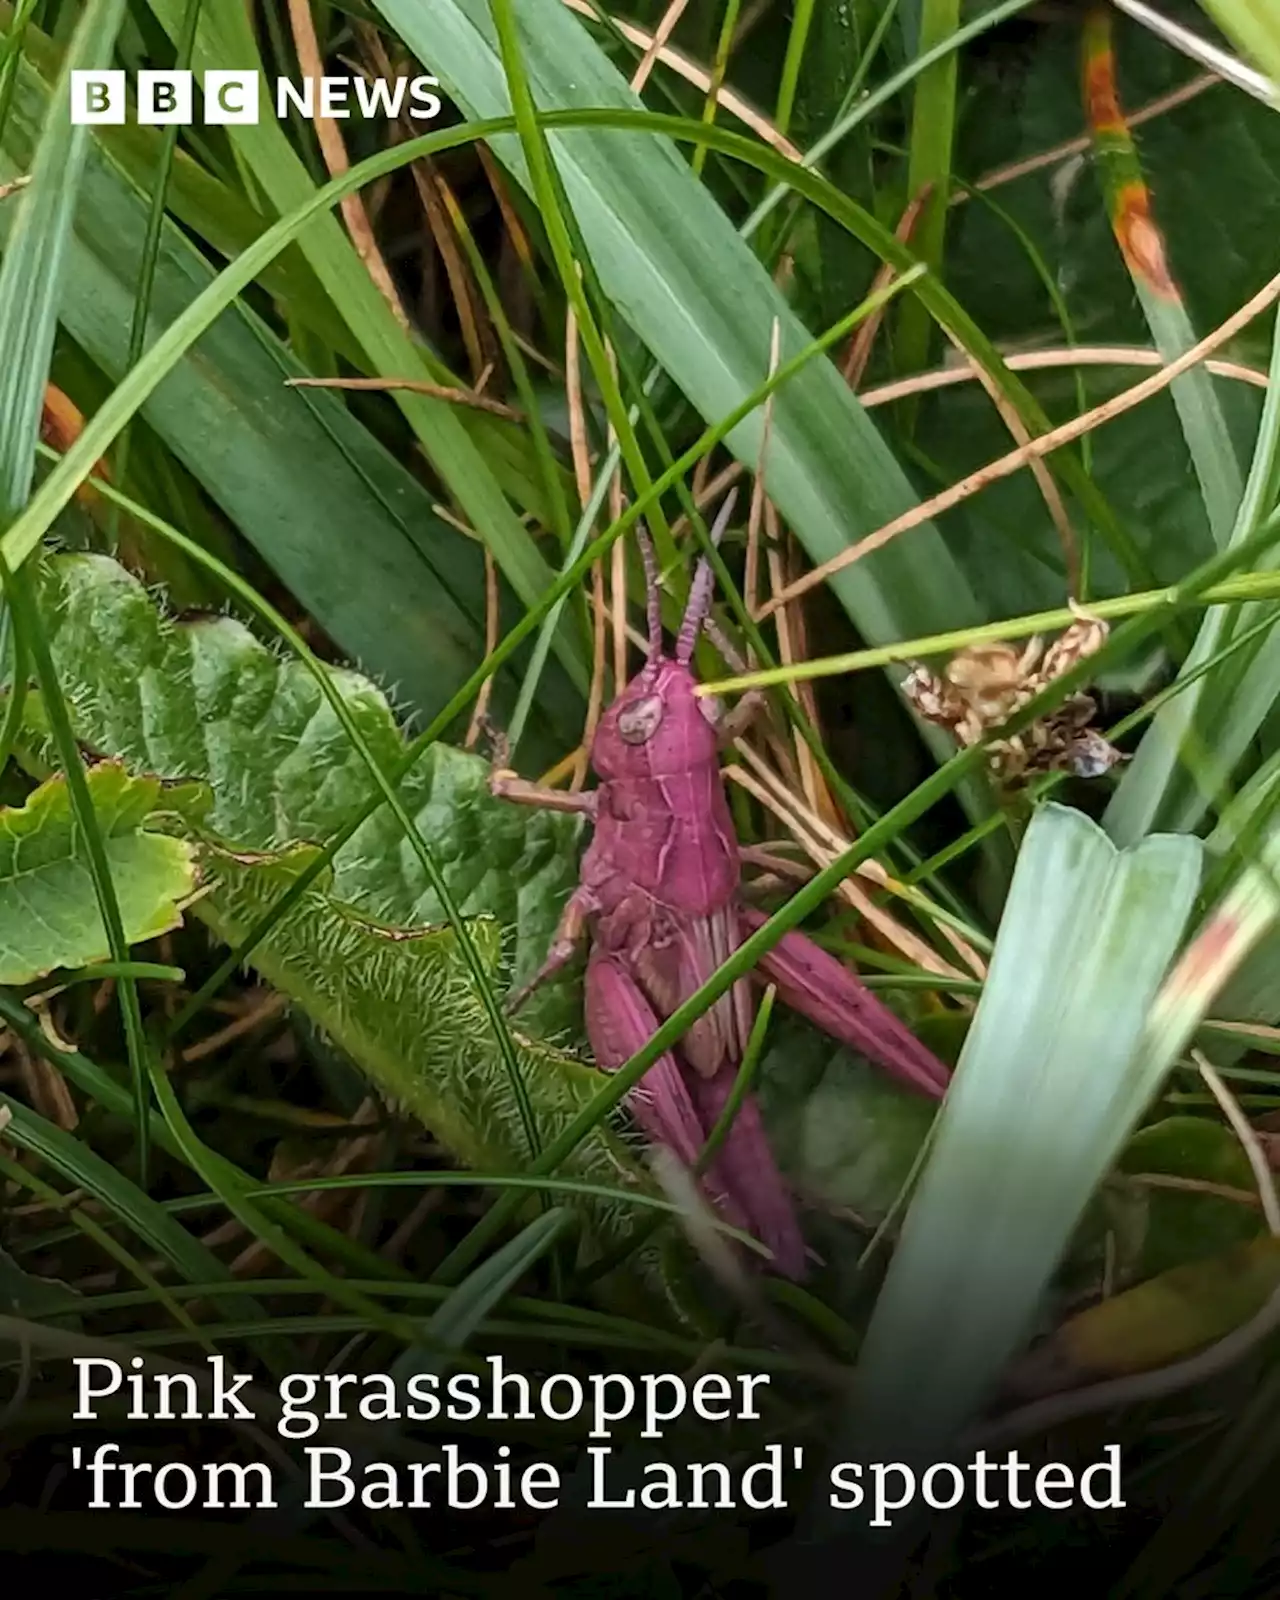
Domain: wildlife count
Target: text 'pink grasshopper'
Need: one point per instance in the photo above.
(660, 896)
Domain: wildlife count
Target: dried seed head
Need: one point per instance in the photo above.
(931, 697)
(1091, 756)
(990, 677)
(1085, 637)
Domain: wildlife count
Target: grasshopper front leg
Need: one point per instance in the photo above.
(812, 982)
(504, 784)
(736, 722)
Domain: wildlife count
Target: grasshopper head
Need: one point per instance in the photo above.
(657, 727)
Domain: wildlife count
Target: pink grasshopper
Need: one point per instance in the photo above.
(660, 896)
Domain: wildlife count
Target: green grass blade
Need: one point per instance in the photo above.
(85, 1170)
(678, 273)
(463, 1310)
(452, 441)
(1197, 740)
(30, 278)
(797, 39)
(155, 220)
(97, 1083)
(1142, 245)
(933, 116)
(30, 284)
(286, 465)
(11, 52)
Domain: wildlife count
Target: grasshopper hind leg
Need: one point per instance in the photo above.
(678, 1109)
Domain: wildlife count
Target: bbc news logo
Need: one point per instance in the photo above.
(236, 97)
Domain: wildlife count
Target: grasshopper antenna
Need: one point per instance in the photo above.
(653, 594)
(700, 590)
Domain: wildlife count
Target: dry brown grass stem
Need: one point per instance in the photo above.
(595, 700)
(1006, 466)
(1048, 488)
(45, 1088)
(898, 937)
(790, 649)
(334, 151)
(760, 125)
(692, 73)
(755, 516)
(580, 451)
(670, 17)
(492, 620)
(864, 337)
(270, 1005)
(1249, 1141)
(1101, 355)
(445, 218)
(838, 843)
(1078, 147)
(436, 391)
(823, 844)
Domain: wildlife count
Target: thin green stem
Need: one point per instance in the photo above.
(547, 194)
(797, 39)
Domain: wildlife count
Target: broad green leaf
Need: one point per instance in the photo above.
(365, 952)
(844, 1133)
(206, 700)
(1183, 1226)
(1046, 1092)
(289, 467)
(679, 274)
(399, 1001)
(49, 913)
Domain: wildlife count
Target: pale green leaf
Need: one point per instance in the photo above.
(49, 914)
(1047, 1090)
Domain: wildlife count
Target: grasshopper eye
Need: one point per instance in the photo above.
(639, 722)
(712, 708)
